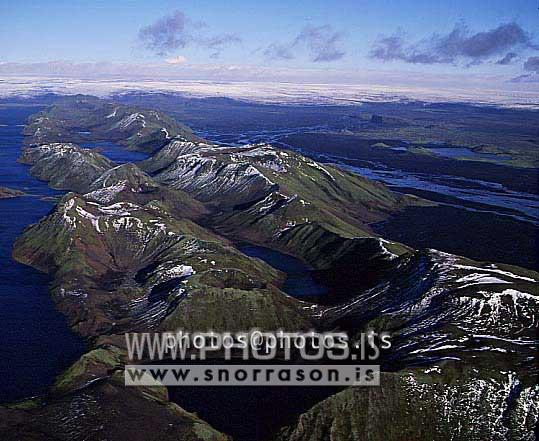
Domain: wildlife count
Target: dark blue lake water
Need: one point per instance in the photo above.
(299, 277)
(35, 339)
(115, 152)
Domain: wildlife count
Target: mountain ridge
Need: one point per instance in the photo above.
(115, 248)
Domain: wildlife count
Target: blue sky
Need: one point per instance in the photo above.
(290, 34)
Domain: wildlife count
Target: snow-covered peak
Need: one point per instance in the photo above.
(127, 121)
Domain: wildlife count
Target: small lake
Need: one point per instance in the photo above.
(115, 152)
(299, 276)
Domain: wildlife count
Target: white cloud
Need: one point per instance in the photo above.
(180, 59)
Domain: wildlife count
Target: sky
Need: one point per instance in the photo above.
(337, 41)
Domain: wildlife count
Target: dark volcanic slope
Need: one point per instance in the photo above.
(145, 249)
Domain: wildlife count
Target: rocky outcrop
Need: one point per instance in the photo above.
(128, 183)
(66, 166)
(7, 193)
(172, 151)
(215, 181)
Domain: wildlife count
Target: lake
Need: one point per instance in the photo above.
(299, 276)
(37, 343)
(115, 152)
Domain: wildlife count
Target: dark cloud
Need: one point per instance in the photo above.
(176, 31)
(166, 34)
(279, 51)
(394, 47)
(509, 57)
(459, 45)
(322, 43)
(532, 64)
(220, 41)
